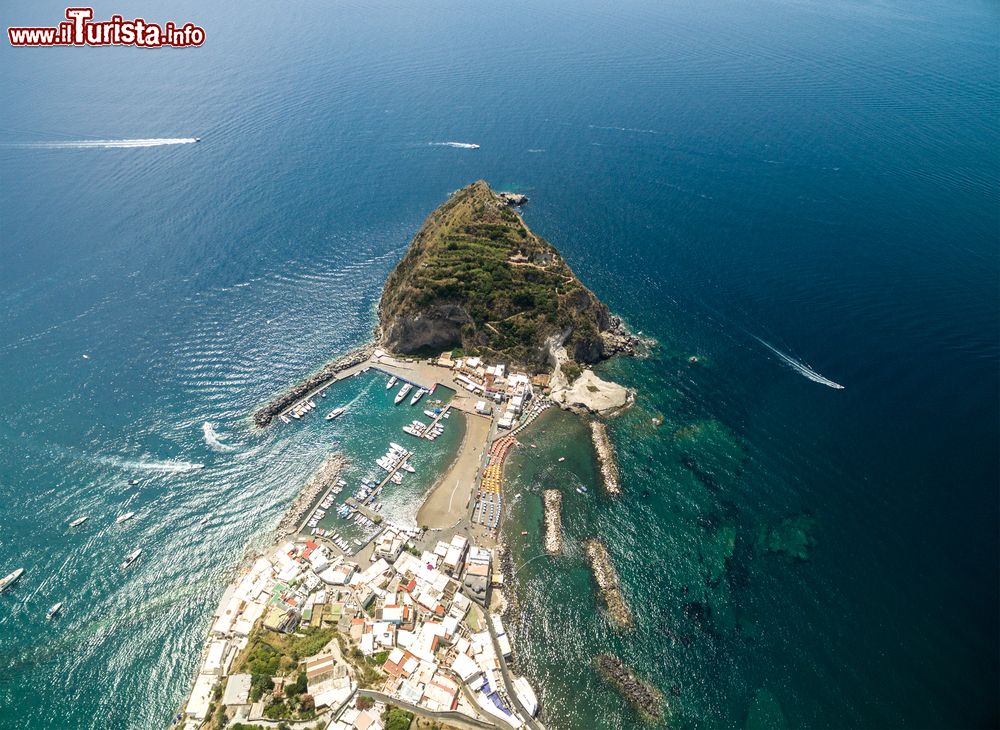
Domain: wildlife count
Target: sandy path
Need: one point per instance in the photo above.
(449, 500)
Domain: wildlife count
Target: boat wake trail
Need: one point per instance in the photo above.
(799, 367)
(213, 440)
(106, 143)
(459, 145)
(169, 467)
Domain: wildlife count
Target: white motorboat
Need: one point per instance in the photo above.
(132, 557)
(9, 579)
(403, 392)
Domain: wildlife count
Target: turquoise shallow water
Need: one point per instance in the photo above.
(818, 175)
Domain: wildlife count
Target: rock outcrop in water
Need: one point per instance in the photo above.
(477, 278)
(552, 499)
(644, 697)
(608, 583)
(606, 457)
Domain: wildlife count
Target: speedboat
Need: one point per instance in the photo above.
(581, 489)
(392, 382)
(197, 139)
(9, 579)
(133, 482)
(205, 519)
(132, 557)
(125, 517)
(78, 521)
(50, 614)
(335, 412)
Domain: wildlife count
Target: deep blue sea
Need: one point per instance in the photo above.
(819, 176)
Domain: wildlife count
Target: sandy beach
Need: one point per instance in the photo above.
(448, 501)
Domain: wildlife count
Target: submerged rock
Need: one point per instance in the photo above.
(711, 451)
(792, 537)
(765, 712)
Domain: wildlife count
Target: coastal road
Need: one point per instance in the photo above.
(508, 683)
(454, 718)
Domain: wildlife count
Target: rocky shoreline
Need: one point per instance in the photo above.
(321, 480)
(553, 521)
(267, 413)
(608, 583)
(647, 699)
(606, 457)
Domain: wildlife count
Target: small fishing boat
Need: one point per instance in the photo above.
(78, 521)
(51, 613)
(124, 518)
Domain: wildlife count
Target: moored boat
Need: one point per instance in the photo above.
(417, 396)
(392, 382)
(403, 392)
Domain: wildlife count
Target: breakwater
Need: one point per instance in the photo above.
(326, 374)
(647, 699)
(606, 457)
(321, 480)
(553, 521)
(608, 582)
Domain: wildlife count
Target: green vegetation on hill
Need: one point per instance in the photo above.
(477, 278)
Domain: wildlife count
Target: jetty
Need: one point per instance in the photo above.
(322, 480)
(606, 458)
(608, 583)
(312, 385)
(552, 499)
(644, 697)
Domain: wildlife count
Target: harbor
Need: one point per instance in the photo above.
(342, 563)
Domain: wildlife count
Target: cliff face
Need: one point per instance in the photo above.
(477, 278)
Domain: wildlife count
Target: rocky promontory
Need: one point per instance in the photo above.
(476, 277)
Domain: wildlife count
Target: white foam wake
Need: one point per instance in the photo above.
(108, 143)
(799, 367)
(171, 467)
(213, 440)
(459, 145)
